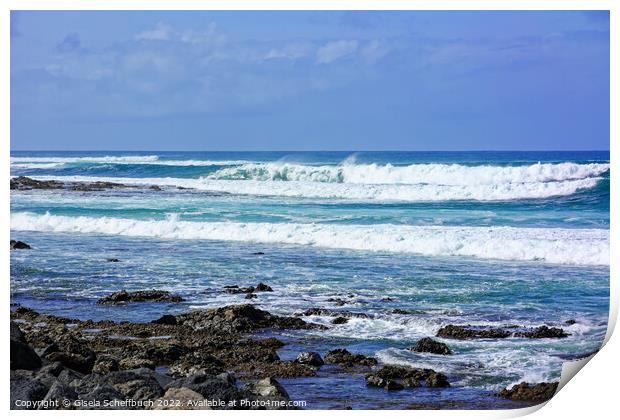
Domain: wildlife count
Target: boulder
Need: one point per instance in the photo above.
(262, 287)
(543, 332)
(339, 320)
(180, 399)
(345, 358)
(25, 183)
(268, 387)
(409, 377)
(19, 245)
(22, 355)
(428, 345)
(530, 392)
(24, 388)
(310, 358)
(140, 296)
(466, 333)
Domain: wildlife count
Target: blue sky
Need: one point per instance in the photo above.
(310, 80)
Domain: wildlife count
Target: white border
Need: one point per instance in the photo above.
(593, 395)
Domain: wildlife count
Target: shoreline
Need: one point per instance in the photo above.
(198, 346)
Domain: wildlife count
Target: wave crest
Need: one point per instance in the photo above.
(558, 246)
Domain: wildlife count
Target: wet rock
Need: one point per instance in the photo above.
(542, 332)
(387, 299)
(262, 287)
(19, 245)
(309, 358)
(570, 322)
(466, 333)
(25, 183)
(401, 312)
(251, 296)
(25, 388)
(525, 392)
(337, 301)
(22, 355)
(345, 358)
(235, 290)
(340, 320)
(391, 385)
(330, 312)
(112, 260)
(409, 377)
(140, 296)
(95, 186)
(258, 253)
(428, 345)
(180, 399)
(166, 320)
(155, 188)
(268, 387)
(239, 318)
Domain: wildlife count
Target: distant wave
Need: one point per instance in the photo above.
(434, 174)
(559, 246)
(51, 162)
(363, 192)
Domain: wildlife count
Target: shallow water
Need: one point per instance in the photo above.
(526, 260)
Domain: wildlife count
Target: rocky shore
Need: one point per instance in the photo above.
(196, 360)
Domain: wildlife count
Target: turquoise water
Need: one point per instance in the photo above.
(463, 238)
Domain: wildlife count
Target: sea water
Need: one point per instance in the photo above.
(480, 238)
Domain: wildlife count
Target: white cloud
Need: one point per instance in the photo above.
(374, 50)
(335, 50)
(161, 32)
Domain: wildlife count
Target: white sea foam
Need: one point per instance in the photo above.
(559, 246)
(360, 192)
(39, 162)
(431, 174)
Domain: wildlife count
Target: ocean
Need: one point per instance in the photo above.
(478, 238)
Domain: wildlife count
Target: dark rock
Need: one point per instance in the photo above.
(251, 296)
(25, 183)
(410, 377)
(525, 392)
(95, 186)
(198, 362)
(239, 318)
(234, 290)
(209, 386)
(19, 245)
(330, 312)
(337, 301)
(339, 320)
(262, 287)
(166, 320)
(112, 260)
(24, 388)
(543, 332)
(391, 385)
(570, 322)
(140, 296)
(105, 364)
(401, 312)
(428, 345)
(59, 393)
(155, 188)
(345, 358)
(466, 333)
(309, 358)
(258, 253)
(387, 299)
(22, 355)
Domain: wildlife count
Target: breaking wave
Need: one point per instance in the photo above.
(431, 174)
(362, 192)
(557, 246)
